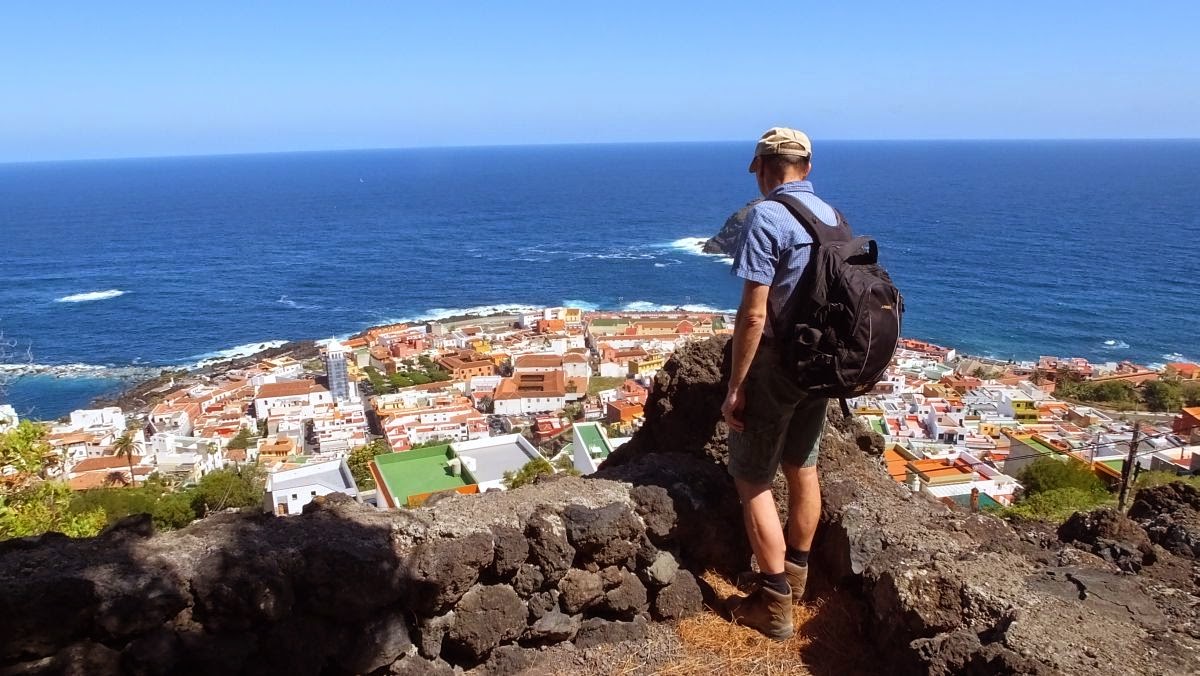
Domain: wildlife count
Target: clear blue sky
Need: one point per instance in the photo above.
(112, 79)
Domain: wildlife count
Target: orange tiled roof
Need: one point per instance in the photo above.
(538, 361)
(291, 388)
(103, 462)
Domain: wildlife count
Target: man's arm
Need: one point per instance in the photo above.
(747, 333)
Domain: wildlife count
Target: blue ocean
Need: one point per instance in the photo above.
(1009, 249)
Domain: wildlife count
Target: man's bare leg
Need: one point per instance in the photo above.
(762, 525)
(804, 506)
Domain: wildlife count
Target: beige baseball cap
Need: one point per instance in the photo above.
(781, 141)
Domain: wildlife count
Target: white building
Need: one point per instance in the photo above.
(8, 418)
(488, 459)
(530, 393)
(590, 446)
(341, 387)
(289, 490)
(339, 428)
(273, 398)
(112, 418)
(576, 365)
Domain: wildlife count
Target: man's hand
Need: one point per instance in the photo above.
(732, 409)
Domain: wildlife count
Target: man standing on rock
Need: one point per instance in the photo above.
(771, 420)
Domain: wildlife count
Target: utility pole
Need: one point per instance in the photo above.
(1127, 469)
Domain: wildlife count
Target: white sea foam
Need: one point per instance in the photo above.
(235, 352)
(1112, 344)
(77, 370)
(439, 313)
(284, 300)
(695, 246)
(647, 306)
(1175, 357)
(582, 305)
(91, 296)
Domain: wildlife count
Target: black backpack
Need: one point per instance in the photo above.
(838, 330)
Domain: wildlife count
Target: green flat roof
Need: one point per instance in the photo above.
(985, 500)
(419, 471)
(1114, 465)
(1039, 446)
(592, 438)
(879, 427)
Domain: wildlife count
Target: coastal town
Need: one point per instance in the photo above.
(400, 413)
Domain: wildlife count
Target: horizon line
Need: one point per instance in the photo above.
(481, 146)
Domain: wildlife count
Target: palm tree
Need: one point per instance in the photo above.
(126, 447)
(116, 479)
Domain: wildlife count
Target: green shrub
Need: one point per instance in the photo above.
(1057, 504)
(1047, 474)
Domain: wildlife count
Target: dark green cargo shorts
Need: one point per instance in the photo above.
(782, 424)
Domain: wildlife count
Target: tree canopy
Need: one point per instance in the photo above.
(530, 471)
(360, 461)
(1047, 474)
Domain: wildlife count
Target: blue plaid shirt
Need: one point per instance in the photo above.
(774, 248)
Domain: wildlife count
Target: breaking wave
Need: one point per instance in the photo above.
(647, 306)
(695, 246)
(284, 300)
(1112, 344)
(90, 296)
(235, 352)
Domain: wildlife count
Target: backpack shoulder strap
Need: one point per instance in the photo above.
(815, 227)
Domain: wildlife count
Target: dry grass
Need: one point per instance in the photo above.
(828, 641)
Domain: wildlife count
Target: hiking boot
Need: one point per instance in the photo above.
(797, 576)
(765, 611)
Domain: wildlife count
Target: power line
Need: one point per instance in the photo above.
(1086, 447)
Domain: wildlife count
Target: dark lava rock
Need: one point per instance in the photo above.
(509, 659)
(646, 552)
(1170, 515)
(597, 630)
(80, 659)
(626, 599)
(541, 603)
(553, 627)
(483, 619)
(380, 644)
(415, 665)
(1176, 496)
(683, 412)
(662, 570)
(610, 577)
(528, 580)
(431, 631)
(606, 535)
(549, 549)
(512, 549)
(441, 571)
(154, 654)
(657, 510)
(679, 599)
(579, 590)
(961, 652)
(132, 526)
(708, 533)
(1110, 535)
(726, 240)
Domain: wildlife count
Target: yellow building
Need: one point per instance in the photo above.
(1025, 410)
(647, 365)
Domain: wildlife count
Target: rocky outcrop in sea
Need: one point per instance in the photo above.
(726, 240)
